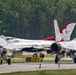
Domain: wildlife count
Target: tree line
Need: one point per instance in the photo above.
(33, 19)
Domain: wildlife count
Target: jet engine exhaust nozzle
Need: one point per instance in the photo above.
(56, 47)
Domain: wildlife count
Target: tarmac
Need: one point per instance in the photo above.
(19, 67)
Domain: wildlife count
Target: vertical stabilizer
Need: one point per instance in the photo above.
(68, 31)
(64, 34)
(57, 31)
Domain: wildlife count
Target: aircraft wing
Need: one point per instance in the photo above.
(16, 47)
(20, 46)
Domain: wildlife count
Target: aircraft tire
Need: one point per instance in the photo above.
(35, 55)
(56, 59)
(42, 55)
(9, 61)
(1, 62)
(74, 60)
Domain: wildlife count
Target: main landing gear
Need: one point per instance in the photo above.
(8, 61)
(58, 57)
(4, 57)
(72, 54)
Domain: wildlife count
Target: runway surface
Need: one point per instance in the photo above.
(5, 68)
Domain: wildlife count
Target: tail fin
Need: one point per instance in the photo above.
(67, 31)
(57, 36)
(57, 31)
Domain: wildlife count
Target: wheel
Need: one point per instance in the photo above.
(56, 59)
(9, 61)
(74, 60)
(42, 55)
(1, 62)
(35, 55)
